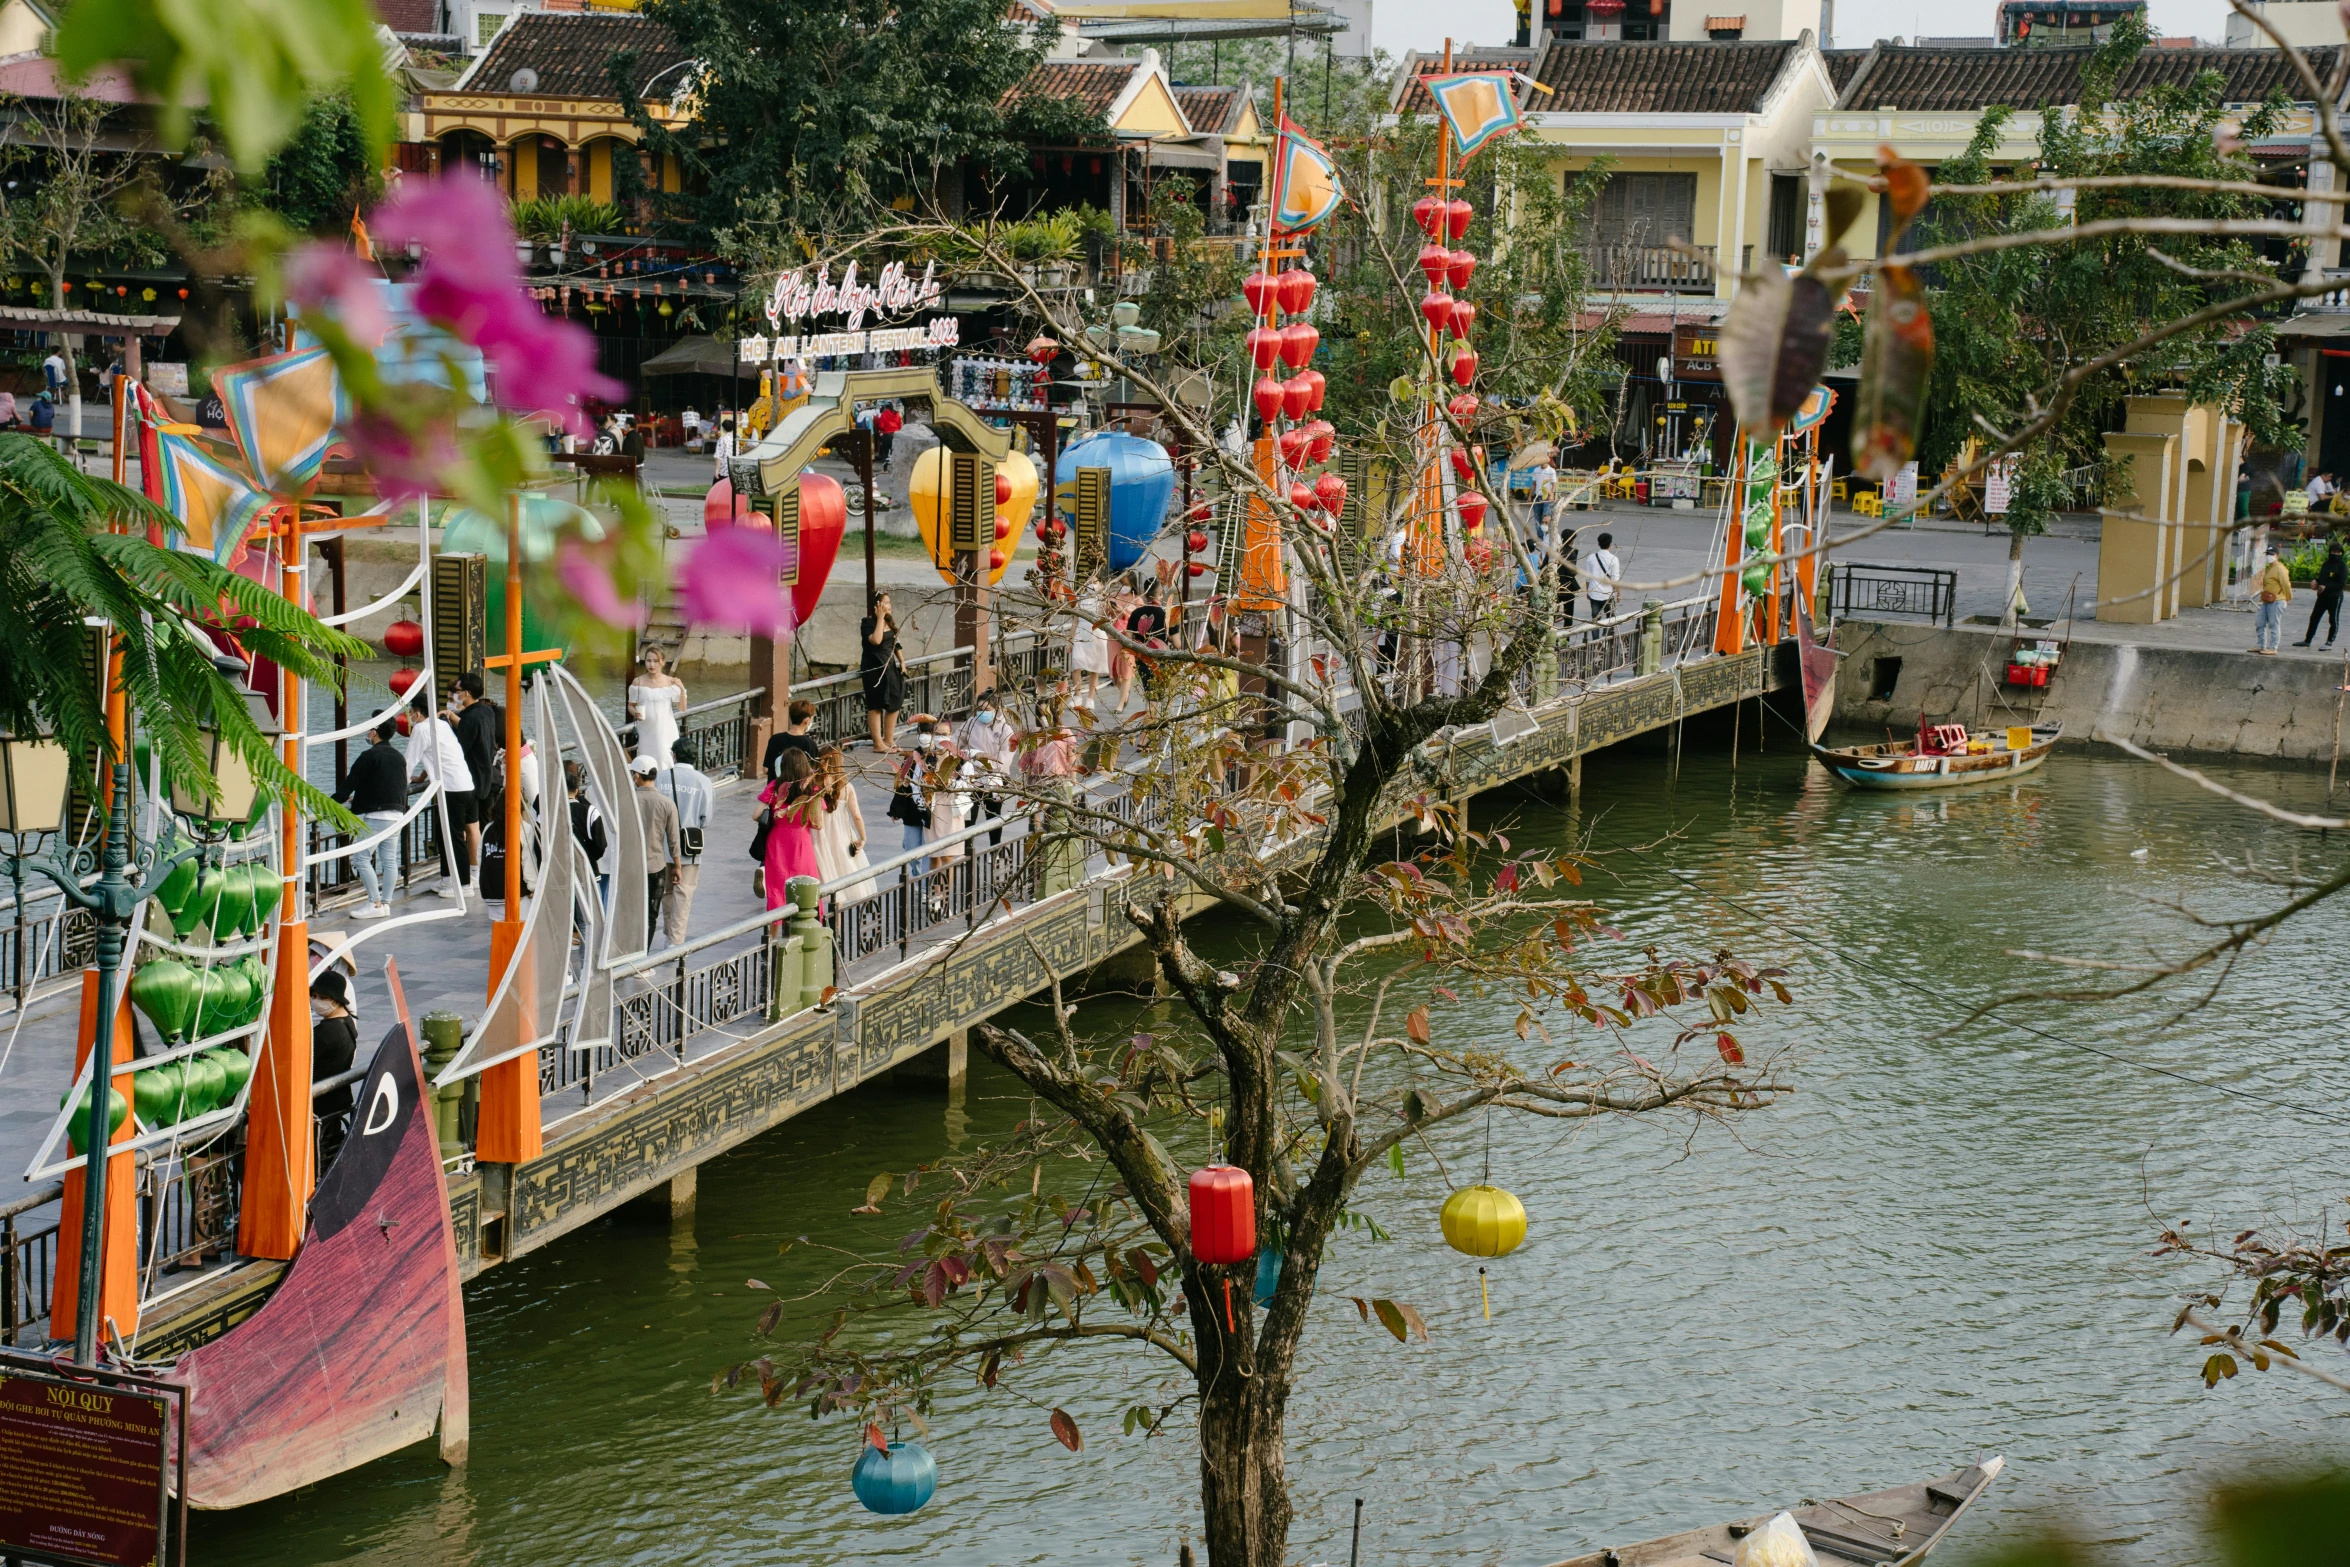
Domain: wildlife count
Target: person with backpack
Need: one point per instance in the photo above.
(691, 792)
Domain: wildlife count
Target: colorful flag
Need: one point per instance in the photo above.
(1305, 182)
(1478, 105)
(282, 412)
(214, 501)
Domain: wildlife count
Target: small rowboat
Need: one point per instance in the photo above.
(1880, 1529)
(1942, 756)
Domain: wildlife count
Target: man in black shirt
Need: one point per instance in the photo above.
(334, 1044)
(794, 736)
(481, 735)
(376, 790)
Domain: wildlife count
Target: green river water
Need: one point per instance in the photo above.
(1937, 1250)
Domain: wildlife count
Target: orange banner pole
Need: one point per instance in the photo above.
(280, 1159)
(507, 1129)
(118, 1272)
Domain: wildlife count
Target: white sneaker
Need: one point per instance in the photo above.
(373, 911)
(445, 890)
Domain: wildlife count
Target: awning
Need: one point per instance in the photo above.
(93, 323)
(2326, 325)
(697, 355)
(1178, 155)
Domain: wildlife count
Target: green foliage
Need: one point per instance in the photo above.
(58, 564)
(2008, 324)
(826, 107)
(326, 173)
(545, 217)
(251, 64)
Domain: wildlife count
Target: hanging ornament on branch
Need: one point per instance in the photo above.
(1774, 343)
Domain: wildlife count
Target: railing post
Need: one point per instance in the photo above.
(815, 971)
(1652, 636)
(773, 938)
(444, 1032)
(11, 1282)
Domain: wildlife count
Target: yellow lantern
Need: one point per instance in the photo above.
(926, 493)
(1483, 1221)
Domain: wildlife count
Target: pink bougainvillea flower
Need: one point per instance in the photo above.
(330, 281)
(406, 464)
(591, 584)
(734, 579)
(471, 283)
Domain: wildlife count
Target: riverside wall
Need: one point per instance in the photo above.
(2166, 698)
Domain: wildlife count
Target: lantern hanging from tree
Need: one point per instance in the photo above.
(1483, 1221)
(893, 1478)
(404, 639)
(1223, 1222)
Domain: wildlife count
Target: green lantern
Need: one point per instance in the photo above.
(166, 990)
(204, 907)
(234, 1062)
(177, 895)
(117, 1108)
(174, 1077)
(235, 906)
(213, 1009)
(207, 1085)
(153, 1094)
(268, 888)
(1758, 525)
(1757, 578)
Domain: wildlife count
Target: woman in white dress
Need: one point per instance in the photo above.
(1089, 649)
(655, 699)
(840, 836)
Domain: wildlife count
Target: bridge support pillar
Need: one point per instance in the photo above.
(1575, 783)
(684, 1187)
(1652, 636)
(771, 677)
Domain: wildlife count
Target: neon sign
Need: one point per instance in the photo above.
(897, 292)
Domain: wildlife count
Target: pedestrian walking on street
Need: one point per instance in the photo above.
(2333, 574)
(2276, 591)
(377, 793)
(882, 668)
(840, 832)
(435, 756)
(662, 846)
(690, 790)
(886, 425)
(1601, 568)
(791, 844)
(909, 801)
(799, 720)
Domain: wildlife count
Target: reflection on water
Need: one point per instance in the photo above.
(1935, 1250)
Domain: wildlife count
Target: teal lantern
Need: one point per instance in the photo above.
(1268, 1275)
(895, 1481)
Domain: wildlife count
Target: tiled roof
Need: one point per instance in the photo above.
(409, 16)
(1212, 111)
(1412, 98)
(1953, 80)
(572, 52)
(1095, 84)
(1841, 63)
(1661, 78)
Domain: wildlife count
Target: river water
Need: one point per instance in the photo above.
(1935, 1251)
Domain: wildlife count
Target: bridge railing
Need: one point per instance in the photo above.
(1858, 588)
(28, 1258)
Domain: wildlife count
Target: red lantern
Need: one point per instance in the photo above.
(1457, 214)
(400, 722)
(1472, 509)
(1297, 394)
(1435, 262)
(1295, 289)
(1320, 384)
(1267, 395)
(1195, 541)
(1463, 407)
(1302, 498)
(1331, 490)
(1223, 1215)
(1196, 568)
(400, 680)
(1464, 316)
(1264, 346)
(1320, 435)
(1293, 447)
(1464, 366)
(1460, 267)
(1428, 212)
(1464, 465)
(996, 559)
(1003, 527)
(1437, 308)
(1003, 489)
(1257, 288)
(404, 639)
(1204, 511)
(1299, 339)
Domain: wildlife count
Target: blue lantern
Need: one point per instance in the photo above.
(1142, 485)
(1268, 1275)
(898, 1481)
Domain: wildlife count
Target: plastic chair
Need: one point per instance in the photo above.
(1869, 503)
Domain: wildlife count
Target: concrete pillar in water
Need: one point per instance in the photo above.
(1652, 636)
(1575, 783)
(683, 1187)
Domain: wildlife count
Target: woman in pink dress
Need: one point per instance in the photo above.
(791, 846)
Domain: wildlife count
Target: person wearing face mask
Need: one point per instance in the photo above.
(334, 1043)
(988, 743)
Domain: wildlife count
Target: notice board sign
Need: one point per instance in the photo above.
(84, 1472)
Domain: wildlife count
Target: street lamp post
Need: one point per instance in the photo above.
(34, 778)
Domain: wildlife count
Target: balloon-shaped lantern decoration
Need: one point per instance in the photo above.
(926, 489)
(404, 639)
(1483, 1221)
(1223, 1222)
(894, 1480)
(722, 508)
(1142, 487)
(824, 518)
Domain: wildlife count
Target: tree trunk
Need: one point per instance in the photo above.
(1244, 1487)
(2015, 578)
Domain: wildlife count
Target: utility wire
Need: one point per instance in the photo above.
(1942, 999)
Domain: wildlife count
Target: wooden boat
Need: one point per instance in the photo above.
(1879, 1529)
(1942, 756)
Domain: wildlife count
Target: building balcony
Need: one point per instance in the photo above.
(1651, 269)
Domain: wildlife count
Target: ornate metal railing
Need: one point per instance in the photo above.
(1856, 588)
(187, 1211)
(44, 941)
(937, 683)
(716, 735)
(28, 1258)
